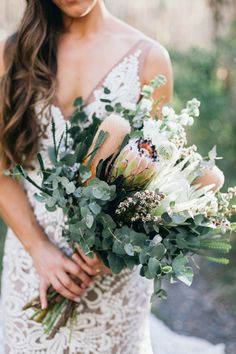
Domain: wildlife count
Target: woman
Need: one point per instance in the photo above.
(64, 49)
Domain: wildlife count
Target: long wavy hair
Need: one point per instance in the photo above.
(30, 58)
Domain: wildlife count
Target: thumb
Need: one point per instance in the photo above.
(43, 293)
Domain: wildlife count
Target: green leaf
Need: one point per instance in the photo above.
(41, 163)
(85, 173)
(181, 271)
(143, 257)
(109, 108)
(88, 216)
(129, 249)
(166, 269)
(102, 136)
(158, 251)
(186, 276)
(178, 218)
(78, 192)
(105, 100)
(179, 263)
(50, 202)
(106, 90)
(157, 284)
(78, 102)
(52, 155)
(39, 198)
(130, 262)
(69, 159)
(153, 266)
(162, 294)
(70, 188)
(115, 263)
(22, 171)
(95, 208)
(118, 248)
(223, 261)
(166, 218)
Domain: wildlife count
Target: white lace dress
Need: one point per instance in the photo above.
(112, 317)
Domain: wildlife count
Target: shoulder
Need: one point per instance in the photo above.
(157, 62)
(2, 63)
(156, 58)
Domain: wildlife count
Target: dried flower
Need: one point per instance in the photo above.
(140, 206)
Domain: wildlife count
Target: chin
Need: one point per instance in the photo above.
(75, 8)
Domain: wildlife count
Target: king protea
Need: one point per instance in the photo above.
(117, 128)
(137, 164)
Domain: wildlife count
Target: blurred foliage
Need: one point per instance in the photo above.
(210, 76)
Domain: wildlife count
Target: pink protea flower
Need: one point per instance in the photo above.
(117, 127)
(137, 163)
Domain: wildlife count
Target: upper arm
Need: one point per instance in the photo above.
(2, 65)
(158, 63)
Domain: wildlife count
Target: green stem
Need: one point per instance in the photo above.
(56, 312)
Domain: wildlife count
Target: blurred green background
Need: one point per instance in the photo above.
(201, 39)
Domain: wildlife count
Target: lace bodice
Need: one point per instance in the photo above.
(124, 85)
(112, 317)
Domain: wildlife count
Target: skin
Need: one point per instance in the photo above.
(90, 32)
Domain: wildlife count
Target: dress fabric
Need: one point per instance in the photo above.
(113, 315)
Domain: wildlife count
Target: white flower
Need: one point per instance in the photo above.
(192, 108)
(151, 130)
(191, 121)
(147, 90)
(168, 152)
(168, 112)
(181, 196)
(130, 106)
(174, 126)
(184, 118)
(146, 105)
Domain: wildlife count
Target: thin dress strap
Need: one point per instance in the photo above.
(145, 46)
(132, 50)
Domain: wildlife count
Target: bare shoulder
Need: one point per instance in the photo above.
(2, 65)
(157, 61)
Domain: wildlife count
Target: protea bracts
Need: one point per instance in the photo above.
(137, 163)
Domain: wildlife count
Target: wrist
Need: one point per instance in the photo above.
(36, 240)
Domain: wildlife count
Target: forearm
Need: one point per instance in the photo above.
(18, 214)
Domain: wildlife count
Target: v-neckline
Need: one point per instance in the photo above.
(86, 101)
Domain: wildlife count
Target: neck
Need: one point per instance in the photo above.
(87, 24)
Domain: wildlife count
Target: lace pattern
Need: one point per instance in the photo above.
(112, 317)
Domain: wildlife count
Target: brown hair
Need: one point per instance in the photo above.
(31, 66)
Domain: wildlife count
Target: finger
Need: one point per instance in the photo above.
(74, 269)
(69, 284)
(60, 288)
(89, 270)
(90, 261)
(43, 293)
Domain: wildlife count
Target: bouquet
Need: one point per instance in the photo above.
(132, 192)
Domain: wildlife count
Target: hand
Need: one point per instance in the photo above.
(92, 266)
(55, 269)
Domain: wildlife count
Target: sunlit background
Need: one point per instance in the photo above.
(201, 38)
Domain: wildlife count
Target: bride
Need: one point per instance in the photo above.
(64, 49)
